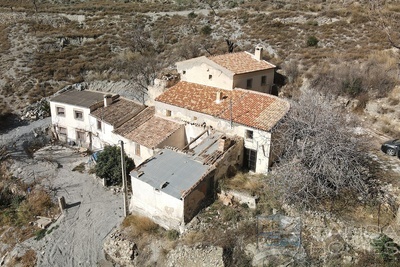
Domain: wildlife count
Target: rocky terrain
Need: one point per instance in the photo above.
(121, 46)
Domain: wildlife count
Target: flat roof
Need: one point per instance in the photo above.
(83, 99)
(171, 172)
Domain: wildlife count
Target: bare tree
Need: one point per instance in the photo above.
(143, 70)
(321, 159)
(388, 21)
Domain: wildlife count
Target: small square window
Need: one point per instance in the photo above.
(78, 115)
(62, 131)
(60, 111)
(98, 125)
(137, 150)
(80, 136)
(249, 134)
(249, 83)
(168, 113)
(210, 77)
(263, 80)
(184, 72)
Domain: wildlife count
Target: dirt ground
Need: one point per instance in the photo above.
(92, 212)
(77, 236)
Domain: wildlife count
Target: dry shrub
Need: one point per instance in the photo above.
(136, 226)
(26, 260)
(376, 76)
(4, 42)
(243, 181)
(192, 238)
(37, 203)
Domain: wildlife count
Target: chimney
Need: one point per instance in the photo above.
(107, 100)
(258, 53)
(219, 97)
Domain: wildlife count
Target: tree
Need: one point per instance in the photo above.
(387, 20)
(321, 159)
(109, 165)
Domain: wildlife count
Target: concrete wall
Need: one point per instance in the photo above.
(200, 196)
(177, 139)
(163, 209)
(240, 81)
(200, 72)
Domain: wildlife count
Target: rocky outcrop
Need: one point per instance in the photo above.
(120, 250)
(195, 256)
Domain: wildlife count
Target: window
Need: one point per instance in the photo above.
(210, 77)
(168, 113)
(184, 72)
(263, 80)
(249, 83)
(78, 115)
(137, 150)
(60, 111)
(62, 131)
(80, 136)
(250, 159)
(98, 125)
(249, 134)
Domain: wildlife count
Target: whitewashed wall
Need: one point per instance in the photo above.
(163, 209)
(261, 140)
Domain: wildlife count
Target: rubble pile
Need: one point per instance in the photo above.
(120, 250)
(196, 256)
(38, 110)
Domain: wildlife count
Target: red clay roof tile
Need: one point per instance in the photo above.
(250, 108)
(241, 62)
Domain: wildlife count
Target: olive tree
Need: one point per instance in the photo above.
(320, 157)
(109, 165)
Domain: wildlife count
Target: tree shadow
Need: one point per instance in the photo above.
(10, 121)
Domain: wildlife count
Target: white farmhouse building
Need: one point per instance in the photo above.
(70, 115)
(229, 71)
(248, 114)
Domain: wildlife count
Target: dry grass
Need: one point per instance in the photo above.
(243, 181)
(137, 226)
(26, 260)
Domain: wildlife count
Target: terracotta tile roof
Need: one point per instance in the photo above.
(241, 62)
(250, 108)
(135, 122)
(153, 132)
(118, 112)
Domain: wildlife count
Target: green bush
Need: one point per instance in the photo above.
(206, 30)
(40, 234)
(192, 15)
(172, 234)
(386, 248)
(312, 41)
(109, 165)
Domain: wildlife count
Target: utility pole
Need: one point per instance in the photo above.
(124, 182)
(230, 111)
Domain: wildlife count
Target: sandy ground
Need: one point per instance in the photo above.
(92, 211)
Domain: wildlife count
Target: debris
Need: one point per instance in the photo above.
(43, 222)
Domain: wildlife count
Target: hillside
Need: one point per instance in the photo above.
(46, 45)
(345, 50)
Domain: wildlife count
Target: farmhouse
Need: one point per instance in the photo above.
(219, 117)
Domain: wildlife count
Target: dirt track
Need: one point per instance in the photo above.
(92, 212)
